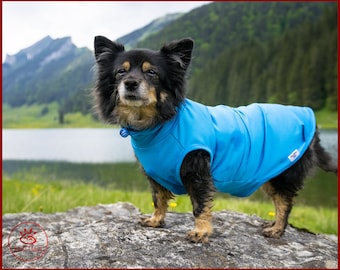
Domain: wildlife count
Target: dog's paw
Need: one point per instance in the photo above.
(272, 232)
(268, 224)
(198, 236)
(151, 222)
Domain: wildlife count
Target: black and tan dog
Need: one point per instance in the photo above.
(186, 147)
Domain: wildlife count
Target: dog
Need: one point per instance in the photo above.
(185, 147)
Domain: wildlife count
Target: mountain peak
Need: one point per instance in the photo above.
(32, 51)
(130, 40)
(65, 47)
(55, 69)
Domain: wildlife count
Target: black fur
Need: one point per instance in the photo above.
(291, 181)
(143, 88)
(195, 174)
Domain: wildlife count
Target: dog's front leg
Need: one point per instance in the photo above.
(196, 177)
(160, 197)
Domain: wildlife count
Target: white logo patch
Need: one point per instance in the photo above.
(294, 155)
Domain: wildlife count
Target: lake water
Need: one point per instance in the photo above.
(88, 145)
(74, 145)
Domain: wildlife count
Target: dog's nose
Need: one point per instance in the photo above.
(131, 84)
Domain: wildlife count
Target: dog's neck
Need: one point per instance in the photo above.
(149, 136)
(136, 118)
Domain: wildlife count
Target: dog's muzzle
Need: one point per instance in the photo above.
(131, 91)
(131, 85)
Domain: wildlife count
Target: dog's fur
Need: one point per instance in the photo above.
(141, 88)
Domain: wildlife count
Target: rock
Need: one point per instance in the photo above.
(109, 236)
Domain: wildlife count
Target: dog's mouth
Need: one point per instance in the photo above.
(132, 100)
(137, 96)
(132, 97)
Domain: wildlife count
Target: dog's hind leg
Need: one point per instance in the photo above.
(160, 197)
(196, 177)
(283, 205)
(282, 190)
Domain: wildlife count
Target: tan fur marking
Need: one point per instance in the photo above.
(126, 65)
(136, 117)
(203, 228)
(163, 96)
(146, 66)
(282, 208)
(157, 219)
(152, 95)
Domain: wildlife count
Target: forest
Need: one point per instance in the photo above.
(299, 67)
(260, 52)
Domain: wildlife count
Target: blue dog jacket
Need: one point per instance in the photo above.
(248, 145)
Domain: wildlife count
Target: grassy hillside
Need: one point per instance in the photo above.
(46, 116)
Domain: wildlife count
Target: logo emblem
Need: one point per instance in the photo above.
(28, 241)
(294, 155)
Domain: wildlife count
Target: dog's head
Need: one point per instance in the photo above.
(140, 88)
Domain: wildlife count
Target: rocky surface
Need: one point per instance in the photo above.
(109, 236)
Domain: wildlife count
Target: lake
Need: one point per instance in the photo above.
(88, 145)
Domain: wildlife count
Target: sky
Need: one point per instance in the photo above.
(25, 23)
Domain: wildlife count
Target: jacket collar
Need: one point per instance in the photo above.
(150, 136)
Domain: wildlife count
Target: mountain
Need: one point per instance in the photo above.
(219, 25)
(283, 52)
(244, 52)
(130, 40)
(56, 70)
(298, 67)
(50, 70)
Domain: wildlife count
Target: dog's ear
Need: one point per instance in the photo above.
(179, 51)
(104, 45)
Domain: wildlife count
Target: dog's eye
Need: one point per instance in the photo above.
(121, 72)
(151, 73)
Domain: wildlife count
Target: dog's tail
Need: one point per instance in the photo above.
(323, 158)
